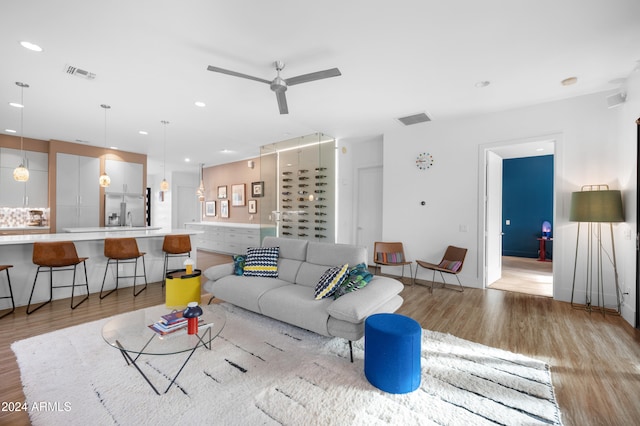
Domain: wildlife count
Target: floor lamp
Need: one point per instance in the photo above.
(596, 205)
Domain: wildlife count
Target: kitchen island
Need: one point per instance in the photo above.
(17, 250)
(112, 229)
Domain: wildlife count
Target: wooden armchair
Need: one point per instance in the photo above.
(451, 263)
(390, 254)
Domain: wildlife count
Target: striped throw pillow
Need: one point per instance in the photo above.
(451, 265)
(262, 262)
(330, 281)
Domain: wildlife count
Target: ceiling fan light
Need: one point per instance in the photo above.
(104, 180)
(21, 173)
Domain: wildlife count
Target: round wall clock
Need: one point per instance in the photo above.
(424, 161)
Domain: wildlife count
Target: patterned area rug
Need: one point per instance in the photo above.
(264, 372)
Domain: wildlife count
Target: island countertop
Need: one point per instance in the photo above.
(6, 240)
(112, 229)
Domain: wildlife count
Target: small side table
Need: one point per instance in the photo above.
(542, 256)
(392, 352)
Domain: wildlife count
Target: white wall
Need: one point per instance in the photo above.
(590, 150)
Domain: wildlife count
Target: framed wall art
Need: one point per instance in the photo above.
(257, 189)
(222, 192)
(237, 195)
(253, 206)
(210, 208)
(224, 209)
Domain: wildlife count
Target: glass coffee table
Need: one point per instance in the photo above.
(131, 335)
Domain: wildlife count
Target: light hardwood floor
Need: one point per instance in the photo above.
(595, 360)
(525, 275)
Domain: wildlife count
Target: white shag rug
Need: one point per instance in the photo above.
(264, 372)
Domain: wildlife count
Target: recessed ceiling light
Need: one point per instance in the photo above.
(31, 46)
(200, 104)
(225, 151)
(113, 147)
(143, 132)
(9, 130)
(16, 105)
(186, 160)
(569, 81)
(482, 84)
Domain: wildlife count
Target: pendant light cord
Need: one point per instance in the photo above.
(164, 154)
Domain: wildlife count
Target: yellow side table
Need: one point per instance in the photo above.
(182, 288)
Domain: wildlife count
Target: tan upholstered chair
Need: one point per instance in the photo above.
(57, 256)
(123, 250)
(10, 296)
(451, 263)
(175, 246)
(390, 254)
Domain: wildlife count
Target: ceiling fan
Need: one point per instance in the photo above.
(279, 85)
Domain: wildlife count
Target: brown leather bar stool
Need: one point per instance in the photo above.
(57, 256)
(123, 250)
(13, 305)
(175, 246)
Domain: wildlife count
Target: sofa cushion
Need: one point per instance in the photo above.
(289, 247)
(244, 291)
(330, 281)
(294, 304)
(288, 269)
(357, 305)
(262, 262)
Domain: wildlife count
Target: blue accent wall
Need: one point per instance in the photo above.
(527, 201)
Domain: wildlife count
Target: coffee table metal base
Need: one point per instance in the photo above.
(132, 361)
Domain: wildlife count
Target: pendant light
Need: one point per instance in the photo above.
(21, 173)
(200, 191)
(105, 180)
(164, 185)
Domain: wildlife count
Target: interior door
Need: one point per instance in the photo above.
(493, 218)
(368, 216)
(637, 221)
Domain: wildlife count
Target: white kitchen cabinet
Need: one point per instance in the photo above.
(125, 177)
(77, 191)
(225, 238)
(34, 192)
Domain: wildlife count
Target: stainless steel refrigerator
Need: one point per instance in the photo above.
(124, 210)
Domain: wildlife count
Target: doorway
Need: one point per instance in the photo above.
(368, 211)
(512, 273)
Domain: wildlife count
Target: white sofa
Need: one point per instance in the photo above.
(290, 296)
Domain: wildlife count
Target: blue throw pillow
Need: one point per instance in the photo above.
(262, 262)
(238, 263)
(359, 276)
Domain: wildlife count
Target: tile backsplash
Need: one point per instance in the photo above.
(11, 217)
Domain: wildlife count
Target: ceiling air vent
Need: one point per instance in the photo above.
(414, 119)
(69, 69)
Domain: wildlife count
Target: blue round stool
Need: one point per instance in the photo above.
(392, 345)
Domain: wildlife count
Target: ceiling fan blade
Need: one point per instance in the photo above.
(318, 75)
(282, 102)
(237, 74)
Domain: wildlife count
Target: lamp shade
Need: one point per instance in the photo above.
(596, 206)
